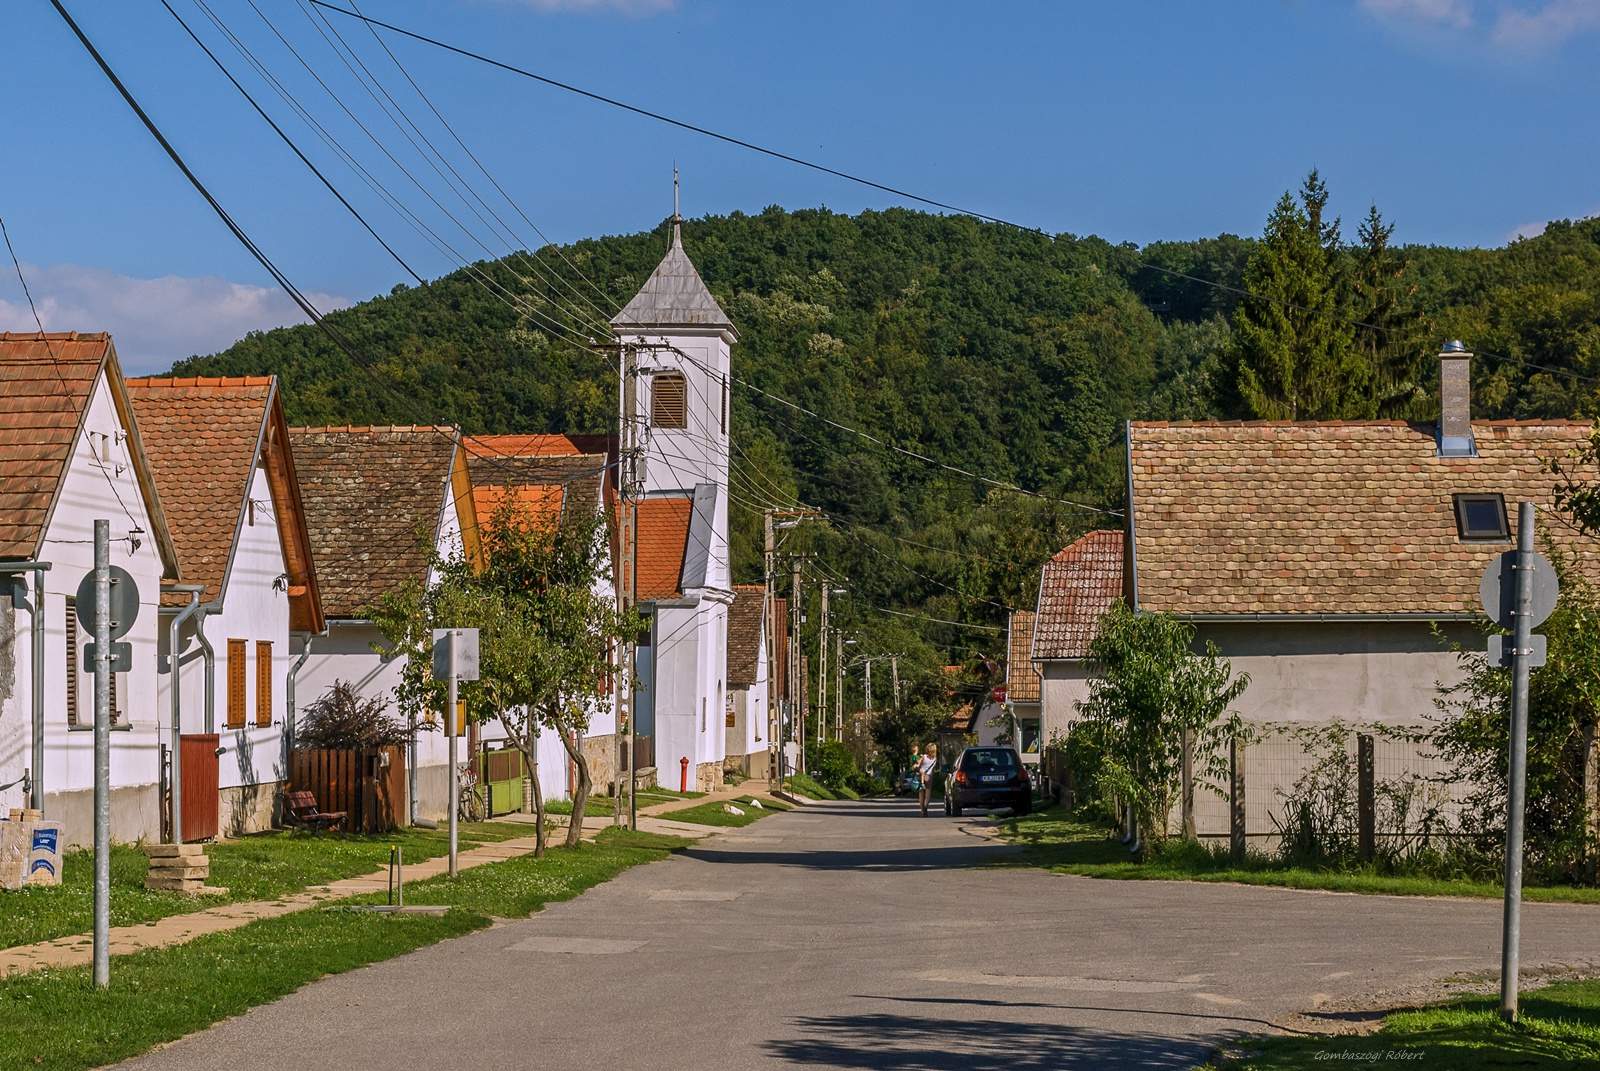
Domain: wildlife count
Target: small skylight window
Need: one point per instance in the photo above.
(1482, 517)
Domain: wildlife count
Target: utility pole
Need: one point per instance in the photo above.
(822, 667)
(450, 716)
(894, 682)
(869, 686)
(770, 623)
(102, 751)
(838, 684)
(628, 485)
(797, 687)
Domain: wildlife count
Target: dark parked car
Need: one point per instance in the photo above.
(989, 777)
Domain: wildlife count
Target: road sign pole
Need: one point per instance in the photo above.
(102, 753)
(1516, 785)
(450, 727)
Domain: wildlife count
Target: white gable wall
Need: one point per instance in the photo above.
(91, 489)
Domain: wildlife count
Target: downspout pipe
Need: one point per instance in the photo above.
(175, 694)
(289, 694)
(36, 650)
(206, 609)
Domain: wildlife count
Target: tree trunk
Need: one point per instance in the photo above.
(523, 739)
(580, 794)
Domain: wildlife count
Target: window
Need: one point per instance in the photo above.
(669, 401)
(263, 683)
(1482, 517)
(72, 661)
(236, 694)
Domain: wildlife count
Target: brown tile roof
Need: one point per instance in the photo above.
(663, 536)
(1022, 680)
(46, 381)
(373, 499)
(41, 405)
(201, 437)
(1076, 587)
(744, 634)
(1334, 517)
(546, 445)
(204, 437)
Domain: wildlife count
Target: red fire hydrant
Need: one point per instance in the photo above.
(683, 774)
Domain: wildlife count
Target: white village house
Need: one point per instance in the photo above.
(684, 581)
(70, 453)
(379, 501)
(1336, 562)
(219, 449)
(746, 718)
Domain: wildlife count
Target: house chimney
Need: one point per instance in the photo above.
(1455, 401)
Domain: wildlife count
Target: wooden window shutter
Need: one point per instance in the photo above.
(669, 401)
(236, 695)
(72, 660)
(263, 683)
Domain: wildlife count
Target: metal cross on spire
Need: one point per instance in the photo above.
(676, 218)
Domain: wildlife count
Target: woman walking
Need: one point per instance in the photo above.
(925, 767)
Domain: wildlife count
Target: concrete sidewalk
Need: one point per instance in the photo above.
(78, 949)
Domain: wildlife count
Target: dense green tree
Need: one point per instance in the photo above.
(1294, 354)
(1390, 331)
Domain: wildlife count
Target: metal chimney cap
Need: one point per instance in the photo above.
(1455, 345)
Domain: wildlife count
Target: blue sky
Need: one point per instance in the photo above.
(1467, 121)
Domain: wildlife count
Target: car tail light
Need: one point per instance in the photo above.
(961, 777)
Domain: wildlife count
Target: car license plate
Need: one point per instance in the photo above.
(994, 777)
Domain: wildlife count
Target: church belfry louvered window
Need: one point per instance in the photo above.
(669, 401)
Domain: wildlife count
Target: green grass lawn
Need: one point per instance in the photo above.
(810, 789)
(648, 796)
(56, 1020)
(1072, 843)
(601, 806)
(1559, 1029)
(262, 866)
(712, 814)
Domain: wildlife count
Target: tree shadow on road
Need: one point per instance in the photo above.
(915, 1043)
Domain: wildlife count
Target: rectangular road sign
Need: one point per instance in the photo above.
(466, 654)
(1500, 651)
(121, 656)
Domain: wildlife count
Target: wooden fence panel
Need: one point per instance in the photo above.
(372, 795)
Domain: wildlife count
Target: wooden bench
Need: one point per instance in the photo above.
(300, 809)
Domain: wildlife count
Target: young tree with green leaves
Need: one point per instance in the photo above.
(1149, 691)
(548, 627)
(1294, 354)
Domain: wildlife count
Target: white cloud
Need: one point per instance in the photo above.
(154, 322)
(1527, 230)
(1456, 14)
(1544, 26)
(597, 7)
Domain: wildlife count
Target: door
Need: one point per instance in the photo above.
(200, 781)
(644, 698)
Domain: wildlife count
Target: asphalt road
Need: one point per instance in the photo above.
(861, 936)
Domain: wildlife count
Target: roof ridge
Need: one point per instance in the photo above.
(174, 382)
(368, 429)
(64, 336)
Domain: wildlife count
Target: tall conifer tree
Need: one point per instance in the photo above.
(1294, 353)
(1389, 334)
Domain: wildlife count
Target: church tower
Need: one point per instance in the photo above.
(683, 343)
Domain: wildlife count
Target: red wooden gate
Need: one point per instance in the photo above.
(200, 781)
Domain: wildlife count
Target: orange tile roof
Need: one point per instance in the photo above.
(536, 502)
(1022, 680)
(201, 437)
(1077, 587)
(45, 384)
(663, 536)
(744, 634)
(537, 445)
(1332, 517)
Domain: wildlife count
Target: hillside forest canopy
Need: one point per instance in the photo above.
(1010, 354)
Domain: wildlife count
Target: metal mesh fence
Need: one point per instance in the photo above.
(1304, 781)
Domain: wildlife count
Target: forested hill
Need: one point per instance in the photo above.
(1009, 354)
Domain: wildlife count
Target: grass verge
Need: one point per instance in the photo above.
(712, 814)
(1559, 1028)
(56, 1019)
(808, 787)
(1073, 843)
(262, 866)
